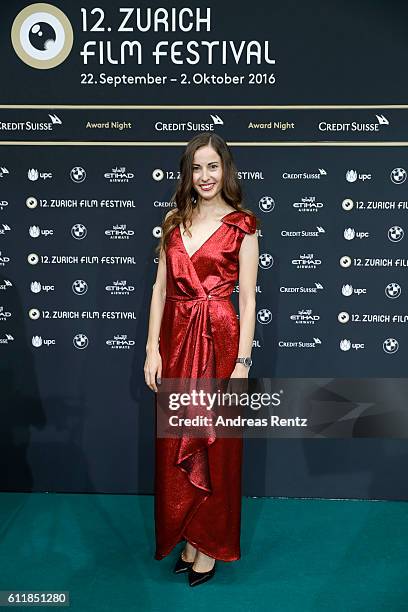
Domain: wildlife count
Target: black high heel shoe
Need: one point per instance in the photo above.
(181, 565)
(195, 578)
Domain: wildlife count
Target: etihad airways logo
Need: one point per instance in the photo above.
(119, 175)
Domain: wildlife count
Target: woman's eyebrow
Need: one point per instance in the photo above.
(209, 163)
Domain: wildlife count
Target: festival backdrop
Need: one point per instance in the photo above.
(97, 103)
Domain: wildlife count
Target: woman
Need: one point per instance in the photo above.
(194, 333)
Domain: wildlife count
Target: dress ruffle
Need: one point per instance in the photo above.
(192, 455)
(243, 220)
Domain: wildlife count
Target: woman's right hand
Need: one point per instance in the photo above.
(153, 366)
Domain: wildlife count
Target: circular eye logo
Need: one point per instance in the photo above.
(42, 36)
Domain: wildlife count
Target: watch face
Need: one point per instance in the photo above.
(248, 362)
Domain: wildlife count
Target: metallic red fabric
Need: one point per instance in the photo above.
(198, 480)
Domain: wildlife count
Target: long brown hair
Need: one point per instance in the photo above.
(185, 195)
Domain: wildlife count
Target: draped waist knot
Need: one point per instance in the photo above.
(195, 348)
(201, 298)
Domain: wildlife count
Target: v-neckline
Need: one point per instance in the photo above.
(206, 240)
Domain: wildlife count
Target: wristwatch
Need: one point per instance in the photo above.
(247, 361)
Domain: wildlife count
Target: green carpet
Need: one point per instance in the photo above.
(300, 555)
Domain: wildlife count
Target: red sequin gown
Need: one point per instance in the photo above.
(198, 481)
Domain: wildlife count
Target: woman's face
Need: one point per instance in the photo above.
(207, 172)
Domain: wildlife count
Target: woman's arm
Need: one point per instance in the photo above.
(248, 271)
(153, 363)
(157, 304)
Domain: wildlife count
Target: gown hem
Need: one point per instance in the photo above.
(160, 556)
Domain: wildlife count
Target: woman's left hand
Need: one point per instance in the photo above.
(240, 371)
